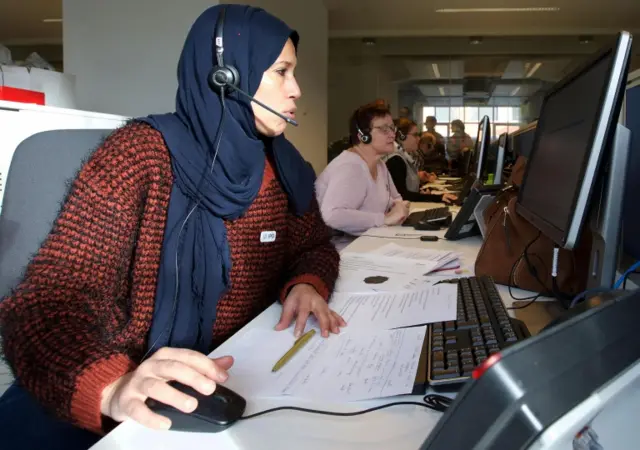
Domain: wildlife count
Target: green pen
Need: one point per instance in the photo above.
(300, 342)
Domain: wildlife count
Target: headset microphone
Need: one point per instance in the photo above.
(271, 110)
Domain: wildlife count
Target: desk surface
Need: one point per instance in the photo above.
(400, 427)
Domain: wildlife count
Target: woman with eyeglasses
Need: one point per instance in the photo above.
(355, 191)
(402, 166)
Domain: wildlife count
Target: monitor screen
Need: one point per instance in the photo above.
(481, 148)
(571, 134)
(522, 140)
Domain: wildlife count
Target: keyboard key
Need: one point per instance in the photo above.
(466, 353)
(438, 365)
(451, 340)
(438, 356)
(444, 374)
(450, 326)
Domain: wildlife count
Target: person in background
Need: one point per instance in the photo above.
(430, 127)
(429, 159)
(405, 112)
(402, 168)
(355, 191)
(337, 147)
(459, 143)
(104, 318)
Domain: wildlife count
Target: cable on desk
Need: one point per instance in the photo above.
(510, 284)
(436, 402)
(625, 278)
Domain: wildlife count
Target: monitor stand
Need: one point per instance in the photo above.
(606, 212)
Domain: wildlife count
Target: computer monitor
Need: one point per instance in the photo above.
(522, 140)
(481, 151)
(631, 212)
(577, 165)
(542, 392)
(501, 154)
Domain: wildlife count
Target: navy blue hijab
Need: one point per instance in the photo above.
(253, 39)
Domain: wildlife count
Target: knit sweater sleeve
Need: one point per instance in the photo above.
(313, 258)
(67, 328)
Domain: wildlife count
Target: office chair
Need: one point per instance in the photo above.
(40, 173)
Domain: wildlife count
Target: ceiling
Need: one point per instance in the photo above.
(359, 18)
(21, 20)
(497, 81)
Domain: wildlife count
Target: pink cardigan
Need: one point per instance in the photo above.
(350, 199)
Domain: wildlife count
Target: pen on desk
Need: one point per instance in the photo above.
(296, 347)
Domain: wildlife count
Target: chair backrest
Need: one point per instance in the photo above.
(39, 177)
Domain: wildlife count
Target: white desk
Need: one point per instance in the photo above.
(398, 428)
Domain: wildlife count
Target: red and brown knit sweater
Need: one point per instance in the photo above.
(81, 316)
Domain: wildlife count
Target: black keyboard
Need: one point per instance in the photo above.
(483, 327)
(430, 215)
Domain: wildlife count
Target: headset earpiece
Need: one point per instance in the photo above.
(365, 138)
(400, 135)
(221, 74)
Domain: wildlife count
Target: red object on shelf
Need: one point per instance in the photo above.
(12, 94)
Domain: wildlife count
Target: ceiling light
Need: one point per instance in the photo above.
(496, 10)
(52, 20)
(515, 91)
(475, 40)
(436, 70)
(534, 69)
(441, 89)
(369, 41)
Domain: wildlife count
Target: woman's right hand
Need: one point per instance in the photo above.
(125, 398)
(397, 214)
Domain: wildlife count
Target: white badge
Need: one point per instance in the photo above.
(268, 236)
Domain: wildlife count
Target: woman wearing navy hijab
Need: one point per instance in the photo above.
(165, 247)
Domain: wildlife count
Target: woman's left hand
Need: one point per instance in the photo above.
(303, 300)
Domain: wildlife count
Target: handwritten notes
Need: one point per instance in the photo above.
(359, 365)
(391, 310)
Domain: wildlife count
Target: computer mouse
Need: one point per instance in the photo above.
(215, 412)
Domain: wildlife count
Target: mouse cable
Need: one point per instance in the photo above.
(436, 402)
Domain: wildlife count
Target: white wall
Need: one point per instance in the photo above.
(124, 55)
(353, 83)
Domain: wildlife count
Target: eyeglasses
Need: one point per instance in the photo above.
(386, 128)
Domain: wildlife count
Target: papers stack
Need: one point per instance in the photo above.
(347, 367)
(392, 268)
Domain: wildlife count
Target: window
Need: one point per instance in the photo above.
(457, 113)
(443, 130)
(485, 112)
(442, 114)
(471, 129)
(503, 114)
(503, 118)
(471, 114)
